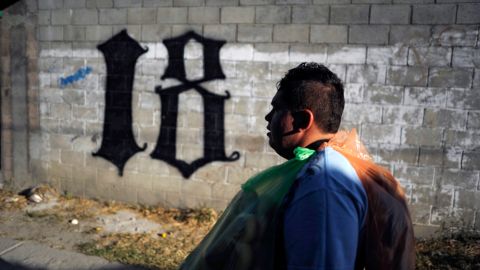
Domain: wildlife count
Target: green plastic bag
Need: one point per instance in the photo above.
(245, 236)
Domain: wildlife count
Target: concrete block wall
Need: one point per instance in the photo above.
(411, 70)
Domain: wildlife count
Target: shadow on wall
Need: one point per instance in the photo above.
(118, 143)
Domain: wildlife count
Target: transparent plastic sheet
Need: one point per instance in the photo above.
(388, 240)
(245, 235)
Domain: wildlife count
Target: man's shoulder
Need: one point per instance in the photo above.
(328, 170)
(333, 167)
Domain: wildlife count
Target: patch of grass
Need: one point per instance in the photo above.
(455, 250)
(138, 249)
(52, 216)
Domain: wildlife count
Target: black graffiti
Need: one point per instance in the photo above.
(118, 143)
(213, 104)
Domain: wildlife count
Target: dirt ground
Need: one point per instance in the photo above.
(161, 238)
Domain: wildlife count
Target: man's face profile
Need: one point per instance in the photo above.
(282, 134)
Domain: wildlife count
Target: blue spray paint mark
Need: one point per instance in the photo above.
(79, 75)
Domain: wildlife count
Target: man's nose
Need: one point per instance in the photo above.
(268, 116)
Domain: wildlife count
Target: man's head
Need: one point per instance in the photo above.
(308, 106)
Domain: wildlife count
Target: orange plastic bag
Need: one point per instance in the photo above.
(388, 241)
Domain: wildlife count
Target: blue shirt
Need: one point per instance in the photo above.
(324, 213)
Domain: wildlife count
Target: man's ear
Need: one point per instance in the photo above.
(303, 119)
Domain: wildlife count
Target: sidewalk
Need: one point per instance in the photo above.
(28, 255)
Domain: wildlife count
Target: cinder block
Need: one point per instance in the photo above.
(432, 157)
(262, 160)
(434, 14)
(113, 16)
(238, 175)
(61, 16)
(133, 180)
(368, 34)
(427, 96)
(371, 1)
(203, 15)
(467, 199)
(473, 121)
(290, 33)
(449, 77)
(468, 13)
(331, 2)
(74, 33)
(346, 54)
(84, 113)
(59, 170)
(353, 92)
(465, 99)
(225, 191)
(402, 115)
(468, 140)
(264, 89)
(44, 17)
(188, 3)
(429, 56)
(310, 14)
(383, 94)
(272, 52)
(172, 15)
(237, 14)
(362, 113)
(328, 33)
(367, 74)
(422, 136)
(415, 175)
(74, 3)
(255, 33)
(50, 33)
(293, 2)
(420, 213)
(256, 2)
(251, 143)
(414, 1)
(306, 53)
(445, 118)
(50, 4)
(407, 76)
(388, 153)
(253, 71)
(85, 17)
(157, 3)
(471, 160)
(180, 29)
(155, 33)
(349, 14)
(222, 2)
(466, 57)
(99, 3)
(390, 14)
(72, 157)
(141, 16)
(390, 55)
(374, 133)
(196, 188)
(454, 35)
(272, 14)
(410, 35)
(98, 32)
(74, 97)
(127, 3)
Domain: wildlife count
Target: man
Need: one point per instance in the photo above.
(334, 209)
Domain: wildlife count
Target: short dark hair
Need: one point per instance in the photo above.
(313, 86)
